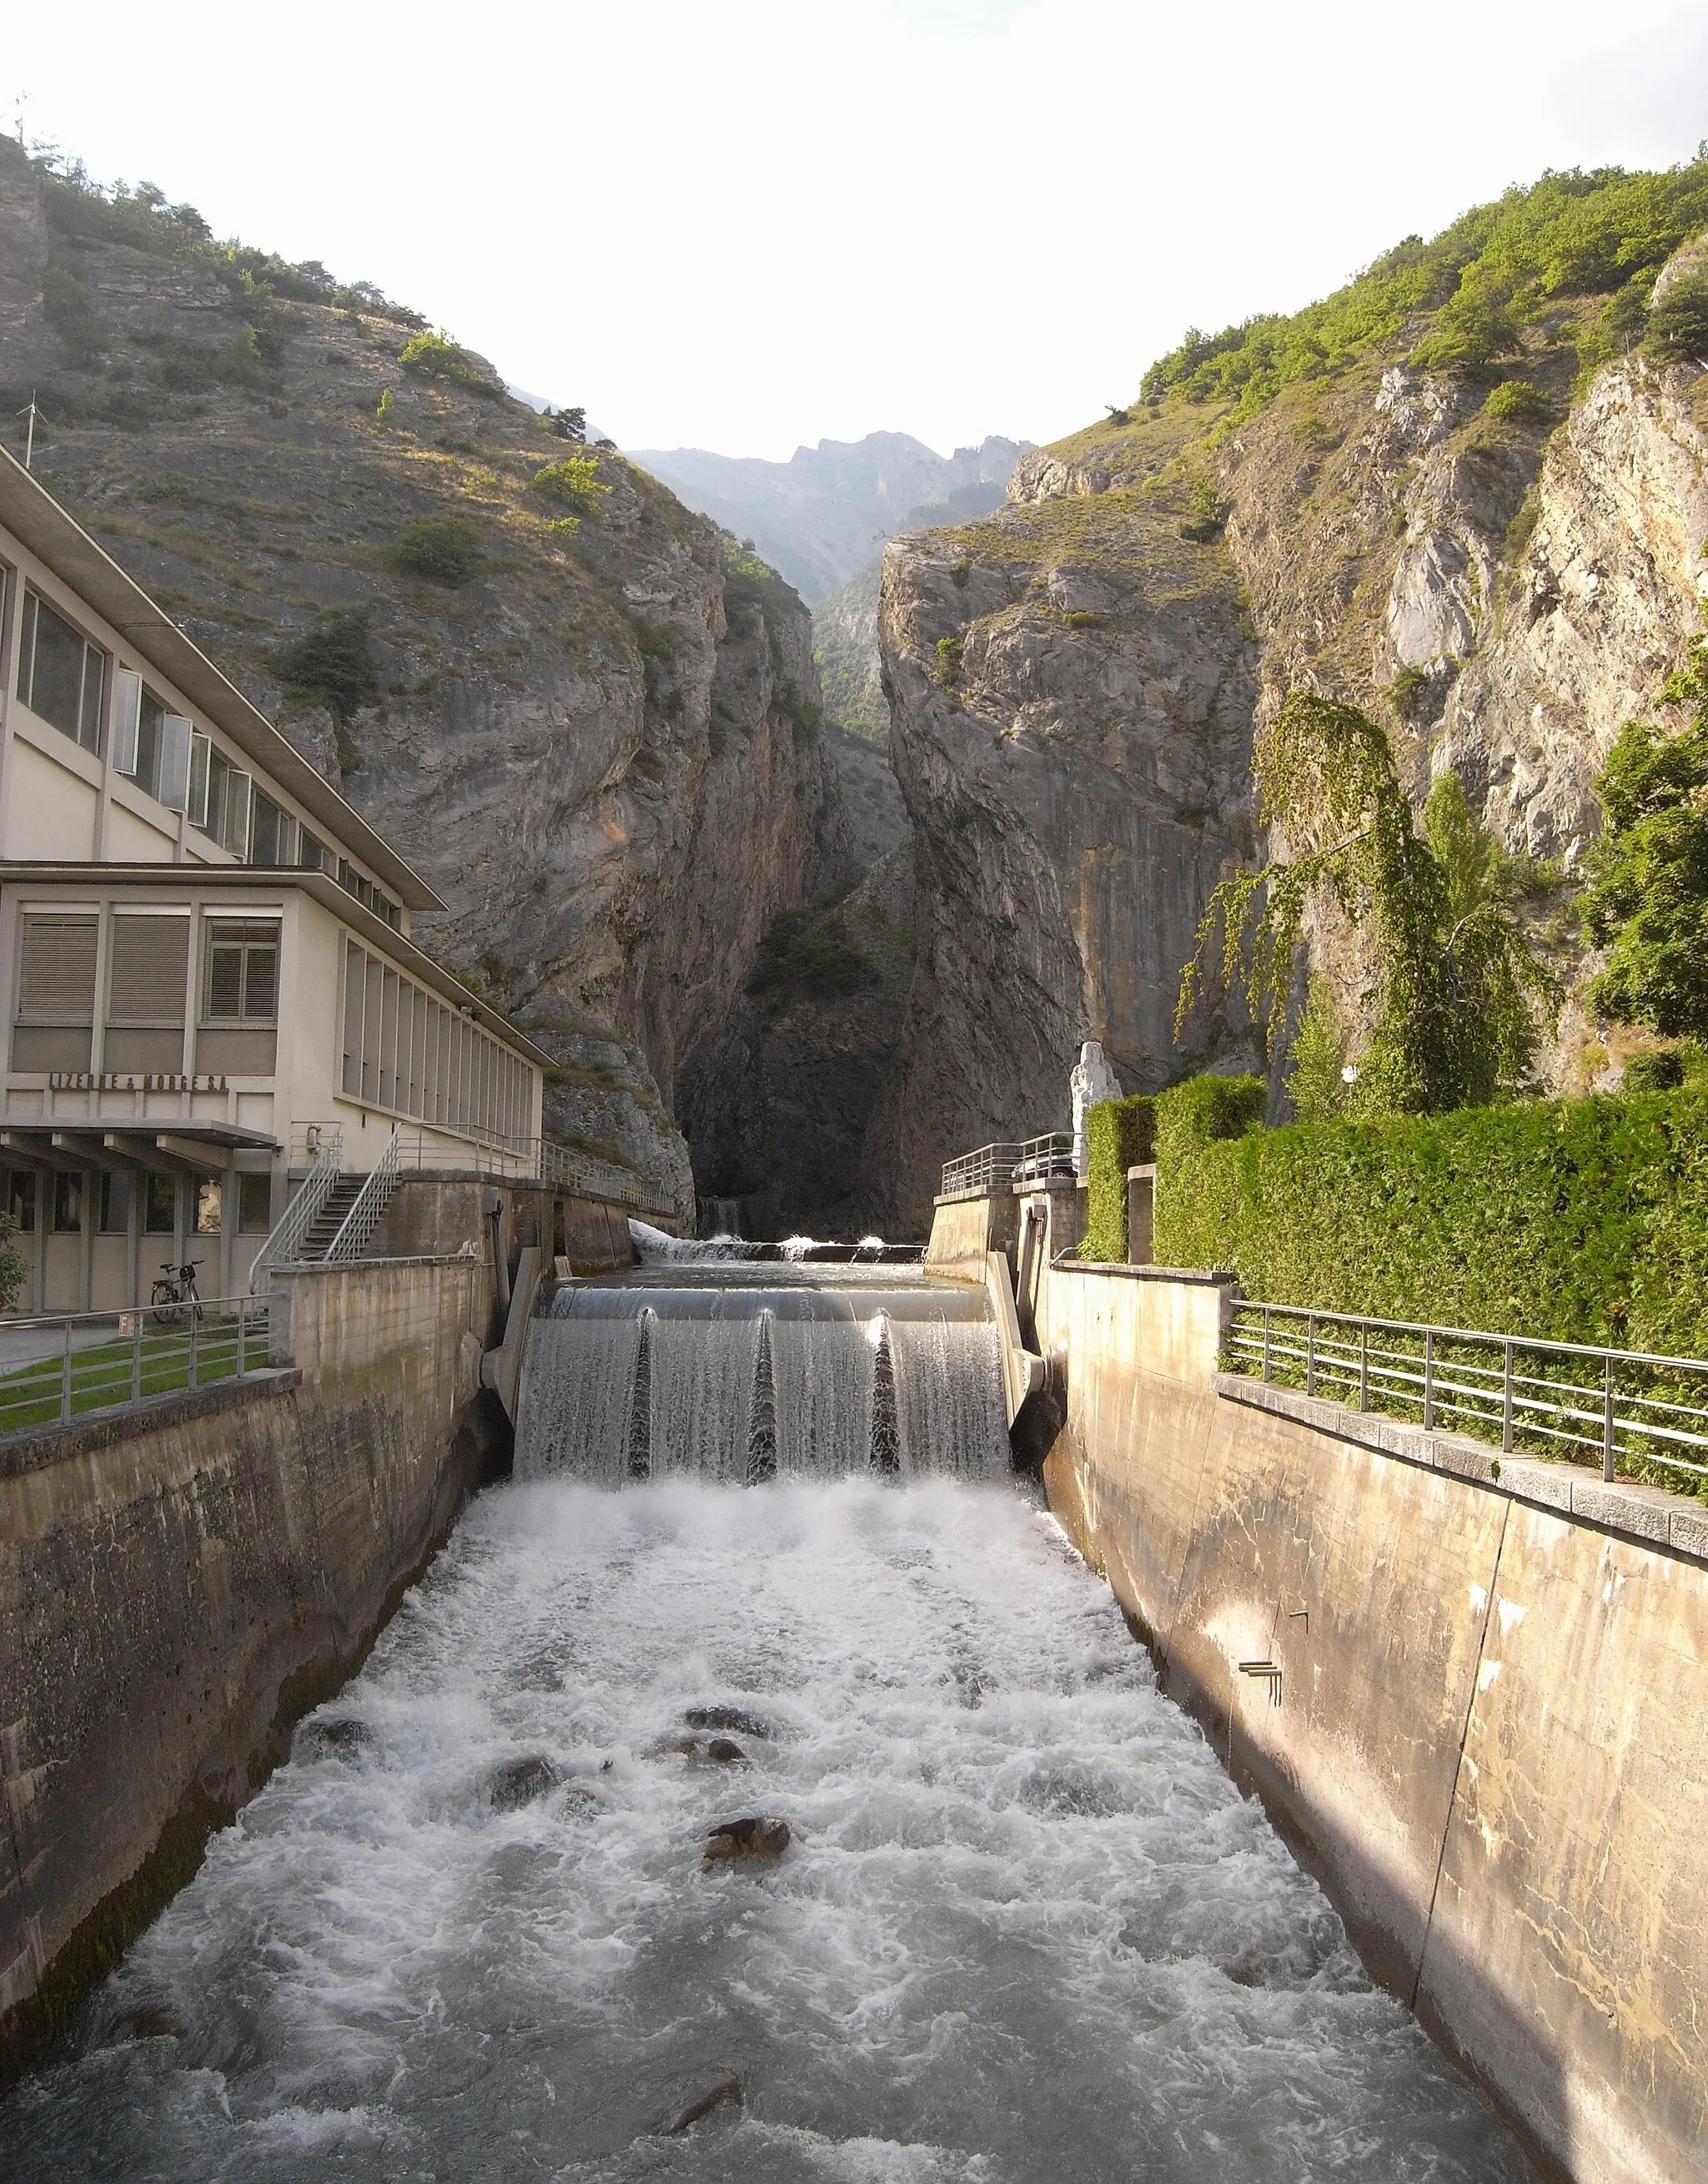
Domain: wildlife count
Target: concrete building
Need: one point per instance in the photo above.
(204, 953)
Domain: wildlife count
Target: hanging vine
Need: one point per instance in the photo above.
(1458, 985)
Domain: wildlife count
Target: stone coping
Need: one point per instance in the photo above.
(359, 1265)
(1212, 1278)
(1031, 1188)
(33, 1448)
(1649, 1513)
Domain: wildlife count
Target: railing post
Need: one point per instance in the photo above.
(195, 1327)
(1364, 1364)
(65, 1378)
(1607, 1424)
(1429, 1380)
(1310, 1353)
(137, 1356)
(1506, 1404)
(242, 1354)
(1266, 1342)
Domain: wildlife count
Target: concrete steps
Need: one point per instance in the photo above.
(343, 1195)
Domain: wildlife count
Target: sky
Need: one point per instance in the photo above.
(754, 226)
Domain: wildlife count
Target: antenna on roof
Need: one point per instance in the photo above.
(31, 413)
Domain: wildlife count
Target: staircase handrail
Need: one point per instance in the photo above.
(284, 1238)
(356, 1230)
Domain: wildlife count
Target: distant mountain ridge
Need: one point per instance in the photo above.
(822, 516)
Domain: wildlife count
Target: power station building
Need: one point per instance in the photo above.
(204, 951)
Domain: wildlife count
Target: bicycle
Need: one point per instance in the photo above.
(173, 1299)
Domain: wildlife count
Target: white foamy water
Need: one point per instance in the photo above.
(1027, 1929)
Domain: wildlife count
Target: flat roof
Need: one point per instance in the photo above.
(88, 878)
(55, 538)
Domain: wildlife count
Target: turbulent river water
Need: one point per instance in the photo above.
(1026, 1929)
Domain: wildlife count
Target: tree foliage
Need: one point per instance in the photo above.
(1496, 269)
(333, 663)
(1457, 982)
(1647, 900)
(447, 548)
(1316, 1084)
(1677, 326)
(572, 483)
(434, 356)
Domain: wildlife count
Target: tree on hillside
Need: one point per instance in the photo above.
(1458, 986)
(1647, 900)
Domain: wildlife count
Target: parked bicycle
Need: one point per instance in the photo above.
(173, 1300)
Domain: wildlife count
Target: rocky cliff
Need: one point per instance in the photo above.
(1481, 520)
(591, 722)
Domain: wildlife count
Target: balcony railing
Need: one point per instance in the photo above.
(426, 1149)
(998, 1166)
(1627, 1410)
(55, 1368)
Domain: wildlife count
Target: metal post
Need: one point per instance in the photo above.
(1607, 1424)
(1310, 1353)
(1506, 1404)
(136, 1356)
(242, 1363)
(65, 1377)
(195, 1320)
(1429, 1380)
(1364, 1364)
(1266, 1342)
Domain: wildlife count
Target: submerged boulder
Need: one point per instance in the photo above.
(759, 1836)
(519, 1783)
(737, 1719)
(699, 2099)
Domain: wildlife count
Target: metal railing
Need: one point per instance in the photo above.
(992, 1167)
(355, 1232)
(1626, 1410)
(94, 1361)
(285, 1239)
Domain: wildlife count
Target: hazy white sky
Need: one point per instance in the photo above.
(745, 225)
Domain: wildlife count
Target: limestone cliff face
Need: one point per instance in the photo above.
(602, 748)
(1075, 684)
(1073, 687)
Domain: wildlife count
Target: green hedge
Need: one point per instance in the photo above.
(1581, 1220)
(1120, 1134)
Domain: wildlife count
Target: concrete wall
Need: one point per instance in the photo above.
(1491, 1737)
(442, 1213)
(178, 1584)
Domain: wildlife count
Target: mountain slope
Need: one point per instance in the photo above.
(822, 514)
(592, 725)
(1346, 501)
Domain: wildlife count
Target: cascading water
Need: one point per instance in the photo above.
(1024, 1929)
(735, 1376)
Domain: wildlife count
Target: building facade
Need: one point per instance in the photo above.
(204, 951)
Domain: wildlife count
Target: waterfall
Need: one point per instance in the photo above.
(729, 1375)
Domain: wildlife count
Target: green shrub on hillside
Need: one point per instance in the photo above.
(1518, 401)
(948, 659)
(1662, 1071)
(1120, 1134)
(1316, 1082)
(1677, 326)
(810, 950)
(572, 483)
(447, 548)
(1647, 900)
(1494, 269)
(432, 356)
(1578, 1221)
(333, 663)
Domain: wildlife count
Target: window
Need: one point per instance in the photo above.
(219, 797)
(311, 853)
(147, 969)
(272, 833)
(209, 1204)
(241, 985)
(150, 745)
(161, 1206)
(20, 1200)
(405, 1051)
(115, 1204)
(61, 676)
(254, 1204)
(67, 1204)
(56, 990)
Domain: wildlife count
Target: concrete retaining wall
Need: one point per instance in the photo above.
(178, 1585)
(1490, 1730)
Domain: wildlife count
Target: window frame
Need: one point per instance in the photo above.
(90, 736)
(211, 921)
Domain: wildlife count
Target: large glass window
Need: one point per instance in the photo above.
(62, 678)
(67, 1203)
(242, 981)
(219, 797)
(20, 1200)
(161, 1206)
(405, 1051)
(254, 1204)
(272, 833)
(115, 1204)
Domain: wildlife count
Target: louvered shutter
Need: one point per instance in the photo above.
(151, 958)
(56, 970)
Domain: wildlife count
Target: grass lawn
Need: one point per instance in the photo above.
(110, 1373)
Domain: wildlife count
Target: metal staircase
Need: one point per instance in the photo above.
(323, 1231)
